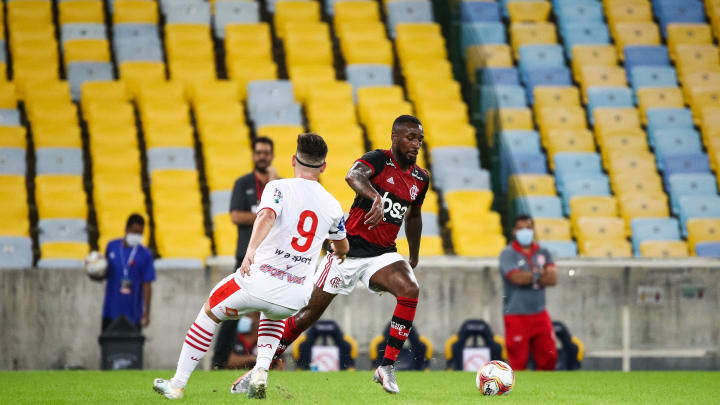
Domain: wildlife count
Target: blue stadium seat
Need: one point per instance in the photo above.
(584, 33)
(708, 249)
(220, 202)
(571, 165)
(482, 33)
(170, 158)
(142, 49)
(644, 229)
(673, 11)
(646, 55)
(667, 118)
(234, 12)
(520, 141)
(12, 161)
(62, 230)
(672, 133)
(579, 11)
(135, 30)
(264, 93)
(668, 143)
(401, 12)
(472, 11)
(187, 13)
(521, 163)
(682, 184)
(9, 118)
(364, 75)
(499, 77)
(607, 97)
(593, 185)
(653, 76)
(81, 72)
(560, 248)
(689, 163)
(287, 114)
(558, 76)
(15, 252)
(539, 57)
(698, 206)
(495, 97)
(82, 31)
(59, 161)
(539, 206)
(449, 179)
(455, 156)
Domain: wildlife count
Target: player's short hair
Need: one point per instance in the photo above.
(134, 219)
(524, 217)
(263, 139)
(405, 119)
(311, 150)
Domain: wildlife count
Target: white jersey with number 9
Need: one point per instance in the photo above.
(285, 261)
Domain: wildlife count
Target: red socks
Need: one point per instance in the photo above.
(400, 326)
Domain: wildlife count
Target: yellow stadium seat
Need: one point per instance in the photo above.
(306, 31)
(552, 229)
(247, 42)
(635, 33)
(64, 250)
(664, 249)
(331, 113)
(636, 182)
(12, 183)
(169, 134)
(420, 49)
(631, 161)
(555, 96)
(521, 185)
(437, 89)
(599, 228)
(242, 73)
(628, 11)
(591, 206)
(464, 222)
(417, 30)
(355, 11)
(160, 92)
(101, 90)
(26, 74)
(571, 117)
(309, 53)
(168, 112)
(592, 55)
(568, 140)
(305, 78)
(336, 91)
(229, 113)
(472, 202)
(702, 230)
(55, 92)
(8, 99)
(531, 34)
(369, 52)
(602, 76)
(33, 12)
(183, 245)
(692, 58)
(610, 248)
(115, 113)
(12, 137)
(425, 69)
(294, 11)
(638, 205)
(528, 11)
(447, 133)
(622, 142)
(474, 245)
(359, 30)
(487, 56)
(609, 120)
(702, 98)
(509, 119)
(14, 219)
(81, 11)
(56, 114)
(687, 34)
(214, 90)
(135, 11)
(190, 71)
(53, 136)
(658, 97)
(225, 235)
(429, 246)
(56, 200)
(136, 74)
(709, 78)
(430, 111)
(368, 96)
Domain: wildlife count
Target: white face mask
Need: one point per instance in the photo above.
(133, 239)
(244, 324)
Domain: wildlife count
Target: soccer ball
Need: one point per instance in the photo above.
(95, 264)
(495, 378)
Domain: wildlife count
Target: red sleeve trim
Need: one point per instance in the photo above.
(511, 272)
(268, 208)
(367, 164)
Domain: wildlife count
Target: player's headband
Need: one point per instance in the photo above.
(297, 159)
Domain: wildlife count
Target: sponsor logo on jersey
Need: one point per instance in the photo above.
(394, 209)
(390, 180)
(389, 162)
(414, 190)
(282, 274)
(415, 173)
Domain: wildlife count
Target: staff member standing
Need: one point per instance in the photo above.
(527, 269)
(130, 273)
(243, 204)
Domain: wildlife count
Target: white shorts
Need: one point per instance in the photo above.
(229, 301)
(340, 278)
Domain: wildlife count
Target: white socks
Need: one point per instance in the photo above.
(269, 334)
(197, 343)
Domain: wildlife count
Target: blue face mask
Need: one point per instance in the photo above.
(524, 236)
(244, 324)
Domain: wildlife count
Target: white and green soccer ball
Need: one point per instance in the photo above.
(95, 264)
(495, 378)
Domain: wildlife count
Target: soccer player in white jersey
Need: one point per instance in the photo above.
(294, 218)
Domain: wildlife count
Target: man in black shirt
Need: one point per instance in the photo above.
(243, 204)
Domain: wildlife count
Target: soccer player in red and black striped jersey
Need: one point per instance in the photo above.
(390, 190)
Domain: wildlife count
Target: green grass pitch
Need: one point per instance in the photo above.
(356, 387)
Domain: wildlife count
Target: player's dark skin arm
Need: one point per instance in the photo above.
(359, 180)
(413, 230)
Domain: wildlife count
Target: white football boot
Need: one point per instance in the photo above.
(258, 383)
(166, 389)
(240, 386)
(385, 375)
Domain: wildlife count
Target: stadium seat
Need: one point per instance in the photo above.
(634, 206)
(539, 206)
(599, 228)
(531, 33)
(540, 57)
(401, 12)
(552, 229)
(369, 75)
(571, 165)
(568, 140)
(694, 206)
(654, 229)
(646, 55)
(591, 206)
(611, 248)
(609, 120)
(592, 55)
(528, 11)
(546, 77)
(59, 161)
(702, 230)
(479, 11)
(81, 72)
(605, 76)
(612, 97)
(578, 34)
(481, 33)
(652, 76)
(658, 97)
(685, 163)
(12, 161)
(59, 230)
(568, 117)
(519, 142)
(664, 249)
(589, 185)
(690, 184)
(708, 249)
(134, 11)
(635, 33)
(16, 252)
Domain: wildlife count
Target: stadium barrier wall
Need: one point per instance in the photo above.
(630, 314)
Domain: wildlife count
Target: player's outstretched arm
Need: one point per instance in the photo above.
(261, 228)
(359, 180)
(413, 230)
(340, 248)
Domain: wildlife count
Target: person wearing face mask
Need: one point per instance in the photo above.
(527, 269)
(130, 273)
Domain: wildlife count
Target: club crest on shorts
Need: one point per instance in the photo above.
(335, 282)
(414, 190)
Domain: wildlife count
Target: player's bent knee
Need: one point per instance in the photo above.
(409, 289)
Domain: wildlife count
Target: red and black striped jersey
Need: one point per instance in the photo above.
(399, 190)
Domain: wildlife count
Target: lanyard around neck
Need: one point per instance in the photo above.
(130, 259)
